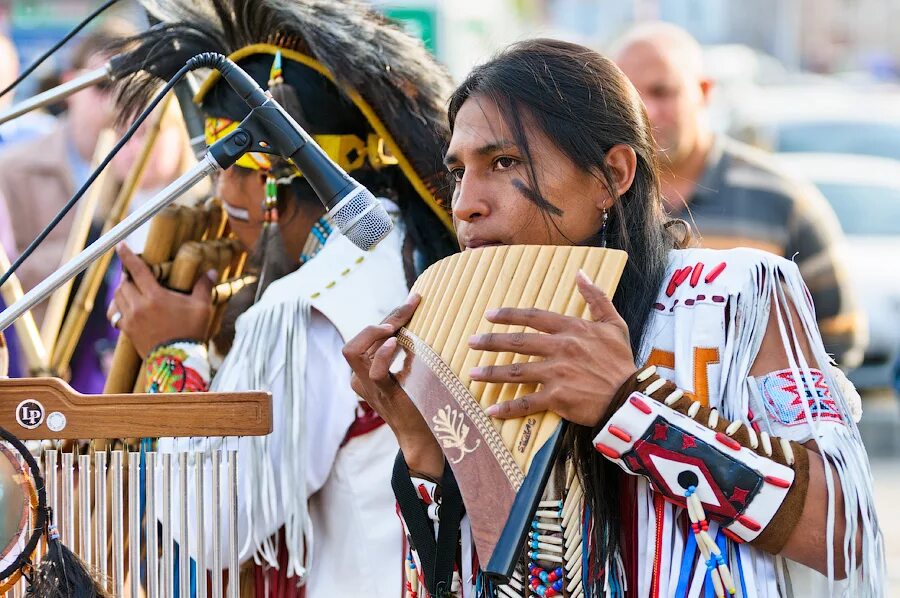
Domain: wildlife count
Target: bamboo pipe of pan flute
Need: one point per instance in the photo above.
(52, 321)
(605, 273)
(126, 361)
(86, 295)
(26, 330)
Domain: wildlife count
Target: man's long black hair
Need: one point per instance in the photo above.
(585, 105)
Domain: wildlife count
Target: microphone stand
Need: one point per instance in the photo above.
(220, 156)
(52, 96)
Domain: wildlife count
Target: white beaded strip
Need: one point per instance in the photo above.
(549, 547)
(549, 514)
(754, 439)
(550, 527)
(674, 397)
(646, 373)
(693, 409)
(713, 418)
(733, 427)
(788, 451)
(545, 539)
(654, 386)
(542, 556)
(574, 543)
(766, 443)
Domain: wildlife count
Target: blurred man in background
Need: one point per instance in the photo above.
(38, 176)
(733, 194)
(28, 125)
(17, 130)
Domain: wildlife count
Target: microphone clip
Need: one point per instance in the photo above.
(267, 130)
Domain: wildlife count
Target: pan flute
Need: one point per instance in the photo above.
(183, 244)
(125, 534)
(501, 466)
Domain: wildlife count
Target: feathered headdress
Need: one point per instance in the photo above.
(355, 74)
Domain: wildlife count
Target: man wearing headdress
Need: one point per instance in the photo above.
(315, 495)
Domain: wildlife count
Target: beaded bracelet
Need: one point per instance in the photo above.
(178, 366)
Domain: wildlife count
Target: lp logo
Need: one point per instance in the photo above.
(30, 414)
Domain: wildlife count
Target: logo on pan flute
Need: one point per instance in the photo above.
(30, 414)
(451, 431)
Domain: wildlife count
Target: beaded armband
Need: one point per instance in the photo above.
(753, 485)
(179, 366)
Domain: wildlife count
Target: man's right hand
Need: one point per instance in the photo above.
(152, 314)
(370, 354)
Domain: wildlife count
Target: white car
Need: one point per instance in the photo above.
(865, 194)
(827, 118)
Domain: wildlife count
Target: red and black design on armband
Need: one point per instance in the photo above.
(683, 448)
(174, 368)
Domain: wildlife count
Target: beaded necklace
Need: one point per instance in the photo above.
(319, 233)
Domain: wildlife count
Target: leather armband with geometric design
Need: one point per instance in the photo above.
(178, 366)
(753, 485)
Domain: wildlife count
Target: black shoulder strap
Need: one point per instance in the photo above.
(437, 558)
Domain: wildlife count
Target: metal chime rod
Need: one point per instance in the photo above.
(233, 573)
(118, 523)
(200, 509)
(52, 482)
(168, 562)
(134, 522)
(152, 529)
(67, 493)
(84, 509)
(100, 537)
(216, 565)
(184, 547)
(20, 588)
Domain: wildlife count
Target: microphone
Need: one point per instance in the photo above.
(351, 208)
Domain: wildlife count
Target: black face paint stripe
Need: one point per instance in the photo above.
(536, 198)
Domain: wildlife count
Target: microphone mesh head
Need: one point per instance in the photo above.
(361, 218)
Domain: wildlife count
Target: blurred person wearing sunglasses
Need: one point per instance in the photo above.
(38, 176)
(734, 194)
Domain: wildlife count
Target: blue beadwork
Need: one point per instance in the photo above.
(318, 235)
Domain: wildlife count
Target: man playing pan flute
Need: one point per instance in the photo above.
(715, 444)
(315, 495)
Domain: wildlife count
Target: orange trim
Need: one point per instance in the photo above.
(364, 107)
(661, 359)
(703, 358)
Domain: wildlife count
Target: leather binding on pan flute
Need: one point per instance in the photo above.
(501, 466)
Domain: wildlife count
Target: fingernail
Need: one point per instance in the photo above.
(584, 277)
(476, 372)
(387, 327)
(410, 299)
(391, 342)
(492, 410)
(474, 340)
(491, 313)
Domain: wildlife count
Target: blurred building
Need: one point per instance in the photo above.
(820, 35)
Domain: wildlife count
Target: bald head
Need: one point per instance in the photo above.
(9, 67)
(665, 64)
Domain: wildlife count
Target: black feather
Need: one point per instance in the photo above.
(364, 51)
(62, 574)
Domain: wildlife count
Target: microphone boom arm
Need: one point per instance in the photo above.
(221, 155)
(60, 92)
